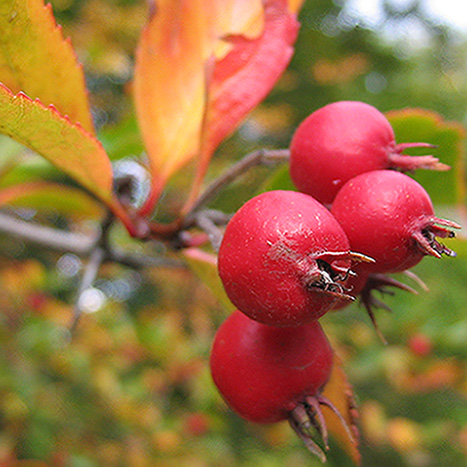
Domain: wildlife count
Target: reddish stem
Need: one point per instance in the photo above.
(404, 162)
(149, 205)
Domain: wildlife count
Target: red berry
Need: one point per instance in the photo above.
(345, 139)
(197, 424)
(420, 345)
(389, 217)
(267, 374)
(282, 259)
(37, 301)
(263, 372)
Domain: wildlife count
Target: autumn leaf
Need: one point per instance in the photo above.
(339, 391)
(198, 74)
(36, 59)
(244, 77)
(66, 145)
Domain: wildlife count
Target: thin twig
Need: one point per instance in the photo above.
(142, 261)
(208, 220)
(90, 273)
(48, 237)
(260, 157)
(96, 258)
(79, 244)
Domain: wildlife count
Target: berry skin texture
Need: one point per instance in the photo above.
(268, 374)
(342, 140)
(389, 217)
(263, 372)
(282, 259)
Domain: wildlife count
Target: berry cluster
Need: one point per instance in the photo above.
(288, 257)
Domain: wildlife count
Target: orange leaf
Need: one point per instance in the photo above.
(247, 73)
(66, 145)
(339, 391)
(36, 59)
(169, 84)
(201, 66)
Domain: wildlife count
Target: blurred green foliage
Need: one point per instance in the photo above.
(132, 387)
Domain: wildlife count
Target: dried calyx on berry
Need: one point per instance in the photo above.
(307, 417)
(344, 139)
(284, 258)
(435, 227)
(389, 216)
(268, 374)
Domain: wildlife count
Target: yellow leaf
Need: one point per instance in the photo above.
(204, 265)
(339, 391)
(64, 144)
(36, 59)
(54, 137)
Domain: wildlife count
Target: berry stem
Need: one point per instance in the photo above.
(260, 157)
(208, 221)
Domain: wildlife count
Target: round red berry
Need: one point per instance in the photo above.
(389, 216)
(283, 258)
(344, 139)
(263, 372)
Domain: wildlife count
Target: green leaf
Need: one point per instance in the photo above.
(204, 265)
(36, 59)
(45, 196)
(419, 125)
(54, 137)
(66, 145)
(26, 167)
(458, 244)
(122, 140)
(279, 180)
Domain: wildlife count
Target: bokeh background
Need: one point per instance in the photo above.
(131, 387)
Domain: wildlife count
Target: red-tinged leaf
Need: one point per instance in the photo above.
(204, 265)
(53, 136)
(244, 77)
(339, 391)
(47, 196)
(66, 145)
(201, 67)
(36, 59)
